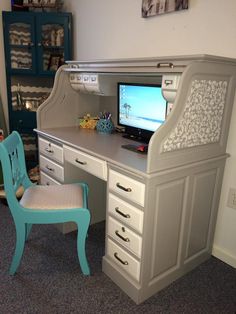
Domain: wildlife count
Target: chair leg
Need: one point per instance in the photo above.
(28, 228)
(83, 225)
(20, 243)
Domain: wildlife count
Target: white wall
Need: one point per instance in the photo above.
(5, 5)
(115, 29)
(107, 29)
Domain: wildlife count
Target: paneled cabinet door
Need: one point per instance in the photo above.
(36, 42)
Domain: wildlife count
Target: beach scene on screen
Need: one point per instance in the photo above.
(142, 106)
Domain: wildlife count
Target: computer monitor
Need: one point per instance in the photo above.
(141, 109)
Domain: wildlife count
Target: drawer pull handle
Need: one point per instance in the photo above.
(80, 162)
(49, 168)
(120, 260)
(122, 214)
(123, 188)
(49, 150)
(121, 237)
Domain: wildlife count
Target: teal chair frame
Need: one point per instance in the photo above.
(15, 175)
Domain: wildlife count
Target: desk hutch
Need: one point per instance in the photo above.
(160, 208)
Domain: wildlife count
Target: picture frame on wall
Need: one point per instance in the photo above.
(157, 7)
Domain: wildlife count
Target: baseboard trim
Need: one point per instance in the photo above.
(224, 256)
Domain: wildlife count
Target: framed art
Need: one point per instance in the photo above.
(54, 62)
(156, 7)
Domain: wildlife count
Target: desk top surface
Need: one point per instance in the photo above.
(104, 146)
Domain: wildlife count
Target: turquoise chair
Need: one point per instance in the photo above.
(41, 204)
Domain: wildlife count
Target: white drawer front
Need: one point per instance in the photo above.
(128, 187)
(125, 212)
(86, 162)
(51, 150)
(123, 259)
(46, 180)
(125, 236)
(51, 168)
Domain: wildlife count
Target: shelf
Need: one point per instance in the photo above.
(26, 45)
(40, 5)
(52, 47)
(56, 6)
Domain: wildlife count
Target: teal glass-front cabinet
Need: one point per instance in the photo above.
(36, 45)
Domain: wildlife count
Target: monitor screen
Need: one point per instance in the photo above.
(141, 109)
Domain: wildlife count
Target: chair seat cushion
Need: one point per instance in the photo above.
(53, 197)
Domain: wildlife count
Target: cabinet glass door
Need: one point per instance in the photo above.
(28, 94)
(21, 57)
(52, 36)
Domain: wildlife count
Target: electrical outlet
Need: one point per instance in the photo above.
(232, 198)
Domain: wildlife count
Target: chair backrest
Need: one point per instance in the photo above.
(13, 166)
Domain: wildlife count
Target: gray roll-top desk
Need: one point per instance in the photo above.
(160, 208)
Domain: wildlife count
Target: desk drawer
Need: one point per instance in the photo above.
(125, 212)
(51, 168)
(125, 236)
(86, 162)
(123, 259)
(131, 189)
(51, 150)
(46, 180)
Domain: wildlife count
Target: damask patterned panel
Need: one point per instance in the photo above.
(202, 117)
